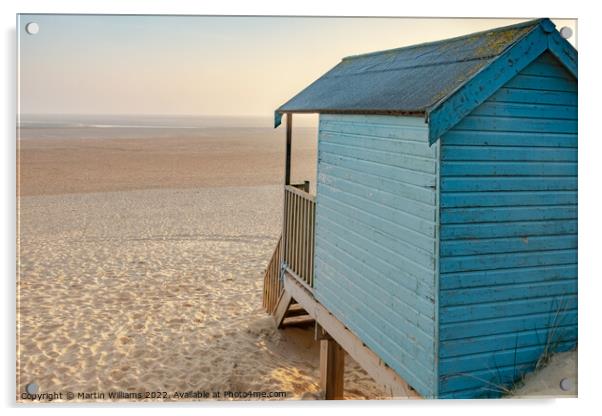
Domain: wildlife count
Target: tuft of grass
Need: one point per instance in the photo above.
(552, 341)
(549, 349)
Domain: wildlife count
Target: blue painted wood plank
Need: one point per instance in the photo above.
(507, 245)
(480, 392)
(525, 110)
(489, 383)
(530, 183)
(520, 307)
(487, 294)
(386, 315)
(413, 148)
(506, 260)
(414, 133)
(462, 347)
(508, 214)
(460, 280)
(509, 229)
(361, 174)
(516, 95)
(386, 237)
(390, 199)
(499, 153)
(387, 198)
(544, 68)
(516, 198)
(534, 82)
(415, 163)
(404, 234)
(332, 161)
(376, 259)
(347, 201)
(398, 313)
(451, 168)
(509, 357)
(406, 123)
(504, 138)
(505, 325)
(518, 124)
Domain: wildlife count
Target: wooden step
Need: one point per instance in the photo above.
(298, 321)
(295, 310)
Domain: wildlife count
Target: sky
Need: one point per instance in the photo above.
(201, 65)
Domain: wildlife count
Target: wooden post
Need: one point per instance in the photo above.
(286, 227)
(289, 136)
(332, 366)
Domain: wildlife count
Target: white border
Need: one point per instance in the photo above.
(589, 175)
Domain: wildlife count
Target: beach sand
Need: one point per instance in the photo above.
(558, 378)
(212, 157)
(141, 266)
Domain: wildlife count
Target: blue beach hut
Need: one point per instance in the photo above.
(440, 249)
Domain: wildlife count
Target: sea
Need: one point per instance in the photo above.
(84, 126)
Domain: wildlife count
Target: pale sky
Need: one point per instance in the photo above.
(169, 65)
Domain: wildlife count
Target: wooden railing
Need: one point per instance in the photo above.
(272, 285)
(295, 248)
(299, 231)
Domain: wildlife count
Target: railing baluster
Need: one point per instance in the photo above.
(298, 233)
(294, 239)
(302, 238)
(297, 218)
(310, 261)
(288, 227)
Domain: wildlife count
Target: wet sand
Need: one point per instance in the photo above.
(198, 158)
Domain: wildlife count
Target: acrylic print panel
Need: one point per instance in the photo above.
(157, 246)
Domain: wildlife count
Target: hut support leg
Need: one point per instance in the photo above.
(332, 366)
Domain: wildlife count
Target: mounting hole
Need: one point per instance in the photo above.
(32, 388)
(32, 28)
(566, 384)
(566, 32)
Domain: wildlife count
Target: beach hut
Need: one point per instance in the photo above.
(440, 249)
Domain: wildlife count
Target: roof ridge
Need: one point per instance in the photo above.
(533, 22)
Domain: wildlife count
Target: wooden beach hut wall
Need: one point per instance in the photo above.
(445, 217)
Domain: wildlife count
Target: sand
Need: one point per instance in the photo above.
(127, 284)
(201, 158)
(546, 382)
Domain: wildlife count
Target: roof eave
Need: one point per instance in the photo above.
(410, 113)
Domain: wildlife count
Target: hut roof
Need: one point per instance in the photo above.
(412, 80)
